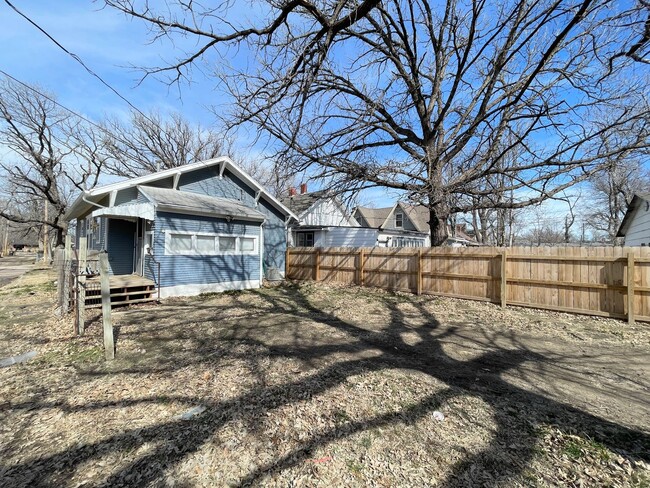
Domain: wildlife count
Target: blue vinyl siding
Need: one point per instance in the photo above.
(207, 182)
(126, 196)
(190, 270)
(141, 198)
(121, 237)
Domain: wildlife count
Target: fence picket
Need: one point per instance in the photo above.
(579, 280)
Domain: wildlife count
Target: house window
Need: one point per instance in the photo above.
(188, 243)
(399, 220)
(227, 244)
(305, 239)
(206, 244)
(180, 243)
(247, 244)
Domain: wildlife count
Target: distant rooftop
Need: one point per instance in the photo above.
(301, 202)
(375, 217)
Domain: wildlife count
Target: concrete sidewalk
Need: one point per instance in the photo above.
(12, 267)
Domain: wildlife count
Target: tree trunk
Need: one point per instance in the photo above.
(438, 217)
(478, 231)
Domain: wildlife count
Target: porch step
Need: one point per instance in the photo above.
(127, 302)
(125, 290)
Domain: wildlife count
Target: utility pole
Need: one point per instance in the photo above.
(45, 229)
(6, 238)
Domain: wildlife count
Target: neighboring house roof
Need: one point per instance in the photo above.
(193, 203)
(377, 217)
(374, 217)
(418, 215)
(83, 203)
(301, 203)
(637, 200)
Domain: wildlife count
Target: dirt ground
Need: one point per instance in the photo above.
(315, 385)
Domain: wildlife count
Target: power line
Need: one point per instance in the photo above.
(76, 58)
(53, 101)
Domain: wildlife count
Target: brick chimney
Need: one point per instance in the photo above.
(292, 191)
(303, 188)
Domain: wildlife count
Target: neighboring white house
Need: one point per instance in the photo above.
(324, 222)
(404, 225)
(398, 226)
(635, 227)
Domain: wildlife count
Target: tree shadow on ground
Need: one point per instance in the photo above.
(481, 377)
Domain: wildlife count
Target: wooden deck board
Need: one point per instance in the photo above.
(122, 281)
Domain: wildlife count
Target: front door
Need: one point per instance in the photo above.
(121, 237)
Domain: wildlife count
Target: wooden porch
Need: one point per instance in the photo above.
(125, 290)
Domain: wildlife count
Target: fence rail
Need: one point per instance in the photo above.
(603, 281)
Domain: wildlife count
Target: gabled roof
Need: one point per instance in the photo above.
(375, 217)
(418, 215)
(193, 203)
(302, 202)
(637, 201)
(88, 198)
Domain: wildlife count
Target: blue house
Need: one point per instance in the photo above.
(198, 228)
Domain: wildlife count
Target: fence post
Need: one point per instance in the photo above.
(65, 284)
(81, 286)
(317, 267)
(59, 264)
(419, 276)
(362, 257)
(287, 266)
(504, 278)
(630, 287)
(109, 343)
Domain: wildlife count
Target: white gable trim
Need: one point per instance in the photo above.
(223, 161)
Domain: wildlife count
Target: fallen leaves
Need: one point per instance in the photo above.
(298, 386)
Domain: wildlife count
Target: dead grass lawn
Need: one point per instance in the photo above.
(308, 385)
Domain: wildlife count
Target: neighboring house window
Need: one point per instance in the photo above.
(399, 220)
(186, 243)
(407, 242)
(305, 239)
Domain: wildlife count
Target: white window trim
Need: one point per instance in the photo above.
(401, 226)
(217, 252)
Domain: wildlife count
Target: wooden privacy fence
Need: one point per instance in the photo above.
(604, 281)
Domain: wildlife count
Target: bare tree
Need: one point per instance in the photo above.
(636, 44)
(611, 191)
(151, 142)
(52, 154)
(429, 99)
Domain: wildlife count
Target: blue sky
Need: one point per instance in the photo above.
(110, 43)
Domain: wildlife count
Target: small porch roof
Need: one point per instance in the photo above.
(198, 204)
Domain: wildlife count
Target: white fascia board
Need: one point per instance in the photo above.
(160, 175)
(225, 161)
